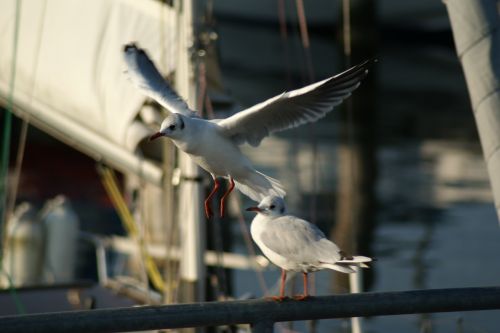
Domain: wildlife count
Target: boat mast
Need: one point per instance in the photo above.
(190, 213)
(475, 30)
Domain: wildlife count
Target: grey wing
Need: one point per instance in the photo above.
(299, 240)
(144, 74)
(294, 108)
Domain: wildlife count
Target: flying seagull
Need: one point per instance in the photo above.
(214, 144)
(296, 245)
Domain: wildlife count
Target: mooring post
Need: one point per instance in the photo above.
(264, 326)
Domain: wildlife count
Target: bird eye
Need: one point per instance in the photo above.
(171, 127)
(272, 206)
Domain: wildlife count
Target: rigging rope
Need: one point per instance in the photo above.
(304, 36)
(205, 107)
(310, 71)
(284, 40)
(25, 122)
(204, 103)
(354, 279)
(249, 245)
(170, 271)
(5, 159)
(8, 124)
(304, 33)
(346, 27)
(109, 181)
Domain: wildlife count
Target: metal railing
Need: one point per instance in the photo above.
(260, 313)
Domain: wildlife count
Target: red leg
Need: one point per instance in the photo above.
(208, 210)
(306, 293)
(229, 190)
(283, 280)
(281, 297)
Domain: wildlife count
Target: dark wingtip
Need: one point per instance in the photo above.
(368, 63)
(128, 46)
(131, 45)
(373, 61)
(363, 67)
(359, 70)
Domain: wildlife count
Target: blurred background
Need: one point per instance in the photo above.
(396, 173)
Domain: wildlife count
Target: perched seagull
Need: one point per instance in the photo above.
(214, 144)
(296, 245)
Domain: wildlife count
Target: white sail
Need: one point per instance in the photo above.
(69, 76)
(477, 39)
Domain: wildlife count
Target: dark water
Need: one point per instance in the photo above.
(436, 225)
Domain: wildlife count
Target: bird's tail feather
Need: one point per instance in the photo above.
(258, 186)
(350, 265)
(355, 260)
(340, 268)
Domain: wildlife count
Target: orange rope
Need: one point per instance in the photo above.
(304, 35)
(284, 39)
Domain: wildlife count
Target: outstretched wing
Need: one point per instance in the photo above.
(293, 108)
(144, 74)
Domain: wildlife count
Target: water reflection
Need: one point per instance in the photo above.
(434, 215)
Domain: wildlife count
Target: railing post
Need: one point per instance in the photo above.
(264, 326)
(261, 313)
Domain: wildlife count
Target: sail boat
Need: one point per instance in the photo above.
(69, 82)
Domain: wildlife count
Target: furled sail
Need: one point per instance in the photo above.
(69, 77)
(476, 32)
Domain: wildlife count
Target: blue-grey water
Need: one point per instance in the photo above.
(435, 223)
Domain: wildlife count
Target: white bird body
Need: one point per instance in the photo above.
(258, 229)
(205, 142)
(206, 145)
(213, 144)
(296, 245)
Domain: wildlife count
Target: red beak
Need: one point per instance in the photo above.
(254, 209)
(155, 136)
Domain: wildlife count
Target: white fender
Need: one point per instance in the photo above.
(23, 252)
(61, 231)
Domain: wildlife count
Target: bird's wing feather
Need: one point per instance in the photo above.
(144, 74)
(293, 108)
(298, 240)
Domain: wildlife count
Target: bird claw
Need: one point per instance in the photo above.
(278, 299)
(300, 297)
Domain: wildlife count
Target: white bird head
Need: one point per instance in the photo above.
(271, 205)
(172, 127)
